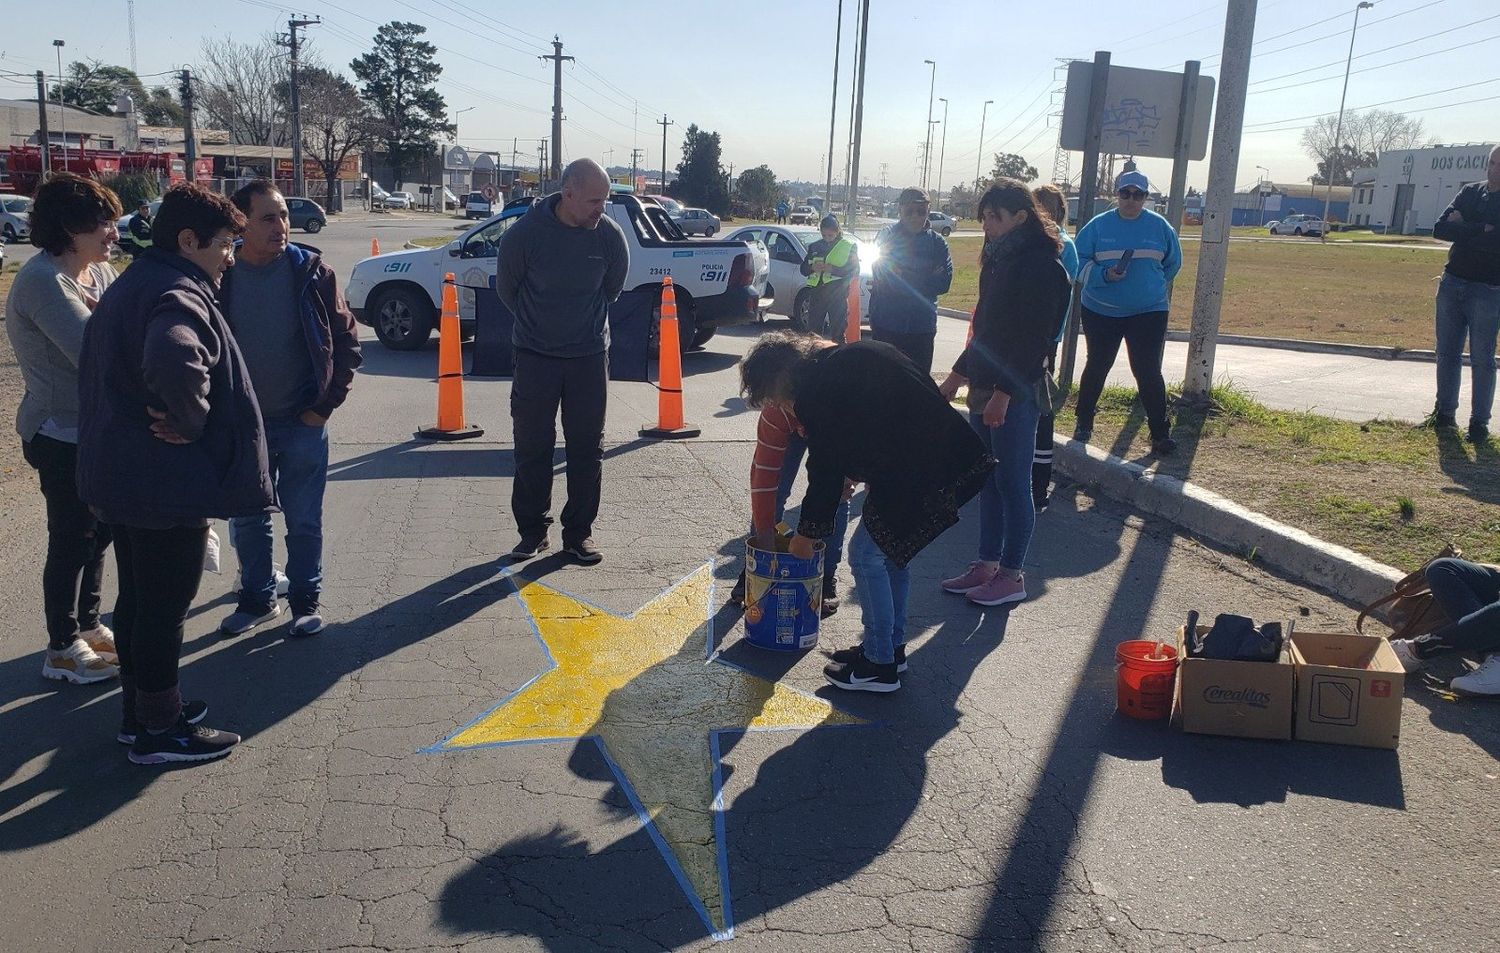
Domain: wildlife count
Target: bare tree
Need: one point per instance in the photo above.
(1365, 135)
(335, 122)
(242, 88)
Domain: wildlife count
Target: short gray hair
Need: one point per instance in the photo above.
(580, 170)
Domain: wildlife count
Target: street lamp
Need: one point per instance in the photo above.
(1338, 129)
(1260, 190)
(927, 145)
(455, 122)
(62, 115)
(983, 114)
(942, 154)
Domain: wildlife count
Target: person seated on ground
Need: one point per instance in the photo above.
(1470, 595)
(870, 416)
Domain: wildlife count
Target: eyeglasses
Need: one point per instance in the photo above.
(228, 244)
(1134, 195)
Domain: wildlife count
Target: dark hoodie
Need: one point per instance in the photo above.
(1023, 299)
(559, 281)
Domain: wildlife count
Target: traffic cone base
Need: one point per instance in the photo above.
(661, 433)
(432, 433)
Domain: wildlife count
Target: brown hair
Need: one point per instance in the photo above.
(67, 205)
(766, 369)
(1051, 200)
(1013, 196)
(189, 205)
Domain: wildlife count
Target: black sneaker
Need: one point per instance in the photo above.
(862, 675)
(1443, 421)
(531, 546)
(830, 597)
(1082, 433)
(1478, 433)
(584, 551)
(182, 742)
(737, 594)
(1164, 446)
(306, 619)
(1040, 503)
(845, 656)
(192, 713)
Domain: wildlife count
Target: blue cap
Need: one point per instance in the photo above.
(1133, 180)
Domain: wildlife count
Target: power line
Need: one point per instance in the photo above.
(1386, 65)
(1388, 102)
(1413, 112)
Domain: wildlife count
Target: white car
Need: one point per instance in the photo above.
(400, 200)
(15, 218)
(787, 246)
(1299, 224)
(941, 223)
(697, 221)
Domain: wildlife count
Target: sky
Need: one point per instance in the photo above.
(760, 72)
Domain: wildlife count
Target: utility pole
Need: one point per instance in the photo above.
(833, 109)
(984, 114)
(927, 142)
(664, 123)
(189, 140)
(1213, 250)
(942, 156)
(130, 18)
(635, 162)
(859, 112)
(293, 43)
(541, 165)
(62, 112)
(43, 133)
(557, 58)
(853, 95)
(1338, 129)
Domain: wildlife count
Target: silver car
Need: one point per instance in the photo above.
(15, 218)
(697, 221)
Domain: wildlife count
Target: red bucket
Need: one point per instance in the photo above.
(1143, 685)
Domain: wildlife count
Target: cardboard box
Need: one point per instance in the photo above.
(1244, 699)
(1349, 689)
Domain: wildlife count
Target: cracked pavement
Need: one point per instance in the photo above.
(995, 803)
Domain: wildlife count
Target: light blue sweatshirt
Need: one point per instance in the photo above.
(1157, 257)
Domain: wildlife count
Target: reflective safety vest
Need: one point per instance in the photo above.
(838, 257)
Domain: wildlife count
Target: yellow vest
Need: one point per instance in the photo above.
(838, 257)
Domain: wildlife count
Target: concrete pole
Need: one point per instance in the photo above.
(1087, 187)
(942, 157)
(833, 110)
(45, 134)
(927, 140)
(978, 163)
(1338, 129)
(557, 110)
(1176, 195)
(1213, 250)
(859, 113)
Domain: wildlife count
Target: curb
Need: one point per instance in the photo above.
(1199, 512)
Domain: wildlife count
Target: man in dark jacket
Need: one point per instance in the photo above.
(913, 269)
(169, 437)
(300, 345)
(140, 229)
(560, 268)
(831, 263)
(1468, 300)
(870, 417)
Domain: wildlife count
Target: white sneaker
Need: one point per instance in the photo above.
(1406, 651)
(1484, 680)
(283, 584)
(102, 640)
(78, 664)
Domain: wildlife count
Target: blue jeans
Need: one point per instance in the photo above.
(882, 597)
(298, 456)
(1470, 594)
(1007, 513)
(1466, 309)
(833, 554)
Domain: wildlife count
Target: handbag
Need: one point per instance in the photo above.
(1413, 609)
(1050, 396)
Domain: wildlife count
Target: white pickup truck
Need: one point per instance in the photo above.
(718, 283)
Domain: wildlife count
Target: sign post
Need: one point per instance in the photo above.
(1098, 89)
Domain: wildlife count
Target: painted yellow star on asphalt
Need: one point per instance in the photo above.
(642, 685)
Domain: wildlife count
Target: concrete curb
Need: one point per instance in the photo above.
(1199, 512)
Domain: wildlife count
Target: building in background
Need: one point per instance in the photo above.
(1408, 189)
(1271, 202)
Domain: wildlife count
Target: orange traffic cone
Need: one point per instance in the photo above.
(851, 333)
(669, 422)
(374, 247)
(450, 412)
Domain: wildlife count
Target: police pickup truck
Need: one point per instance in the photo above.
(718, 283)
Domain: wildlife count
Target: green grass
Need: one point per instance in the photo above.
(431, 241)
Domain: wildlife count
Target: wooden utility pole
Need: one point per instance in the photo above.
(556, 56)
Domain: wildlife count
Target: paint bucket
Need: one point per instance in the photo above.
(1143, 685)
(783, 598)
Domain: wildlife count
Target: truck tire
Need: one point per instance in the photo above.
(703, 336)
(402, 317)
(687, 327)
(801, 307)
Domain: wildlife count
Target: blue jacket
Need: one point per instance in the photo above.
(907, 277)
(1156, 260)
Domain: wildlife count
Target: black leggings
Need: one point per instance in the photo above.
(74, 571)
(159, 573)
(1470, 594)
(1145, 335)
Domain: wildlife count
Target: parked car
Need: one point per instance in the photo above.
(673, 207)
(1272, 224)
(400, 200)
(378, 195)
(719, 283)
(786, 289)
(477, 206)
(15, 218)
(804, 215)
(942, 223)
(1299, 224)
(697, 221)
(304, 214)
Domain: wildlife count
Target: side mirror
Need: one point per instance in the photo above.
(455, 249)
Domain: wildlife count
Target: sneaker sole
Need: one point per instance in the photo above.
(521, 556)
(901, 667)
(862, 686)
(1002, 601)
(63, 675)
(126, 738)
(268, 617)
(306, 631)
(960, 592)
(167, 757)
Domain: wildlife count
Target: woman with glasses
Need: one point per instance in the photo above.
(73, 222)
(1129, 255)
(170, 436)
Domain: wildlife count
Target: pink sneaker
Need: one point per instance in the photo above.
(999, 590)
(975, 575)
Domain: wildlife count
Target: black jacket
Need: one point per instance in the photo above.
(871, 416)
(1475, 255)
(158, 339)
(913, 269)
(1023, 300)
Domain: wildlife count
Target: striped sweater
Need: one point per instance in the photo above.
(772, 433)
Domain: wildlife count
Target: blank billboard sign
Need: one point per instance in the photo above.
(1140, 111)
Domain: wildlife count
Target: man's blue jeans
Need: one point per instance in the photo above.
(833, 554)
(1466, 309)
(1007, 513)
(882, 597)
(299, 471)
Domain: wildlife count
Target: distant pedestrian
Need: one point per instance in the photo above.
(913, 269)
(1129, 255)
(300, 345)
(1050, 199)
(870, 416)
(1468, 301)
(139, 227)
(1469, 594)
(169, 437)
(832, 262)
(1023, 297)
(781, 210)
(50, 303)
(560, 268)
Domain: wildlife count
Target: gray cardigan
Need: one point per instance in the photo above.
(44, 318)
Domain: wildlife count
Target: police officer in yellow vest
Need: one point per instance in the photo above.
(831, 262)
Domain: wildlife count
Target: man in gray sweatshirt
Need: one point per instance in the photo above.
(560, 268)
